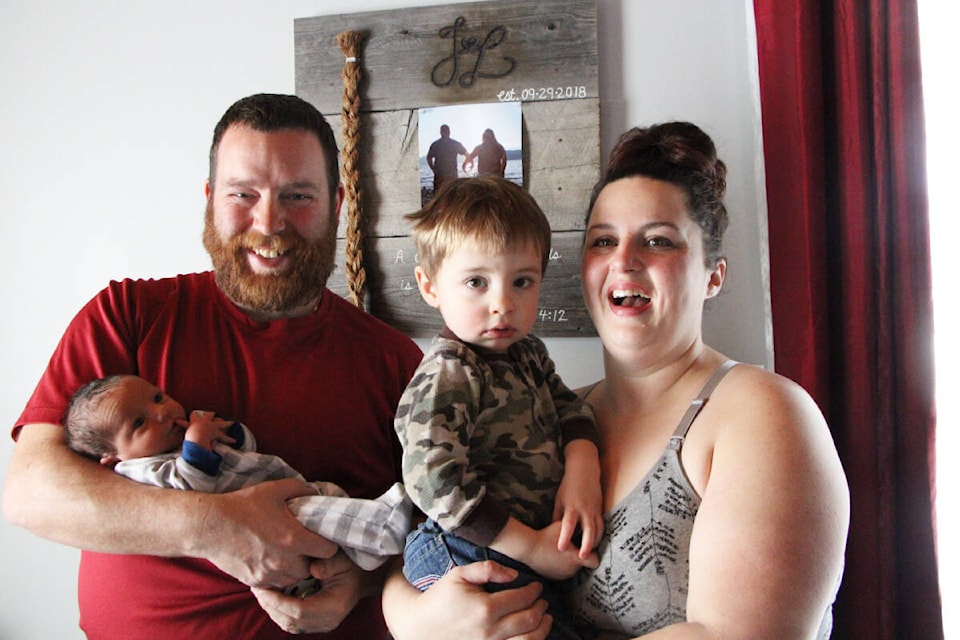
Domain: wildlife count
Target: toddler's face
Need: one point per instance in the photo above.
(144, 420)
(487, 300)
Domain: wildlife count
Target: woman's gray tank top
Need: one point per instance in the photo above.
(642, 581)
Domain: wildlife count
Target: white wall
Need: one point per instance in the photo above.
(105, 119)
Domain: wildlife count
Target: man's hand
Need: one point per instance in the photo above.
(343, 584)
(251, 535)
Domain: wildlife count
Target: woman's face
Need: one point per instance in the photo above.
(644, 279)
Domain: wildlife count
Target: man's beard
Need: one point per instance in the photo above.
(304, 282)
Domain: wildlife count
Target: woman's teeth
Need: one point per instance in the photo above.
(628, 297)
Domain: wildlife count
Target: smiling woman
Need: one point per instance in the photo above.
(650, 221)
(640, 252)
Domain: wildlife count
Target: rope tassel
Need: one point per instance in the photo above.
(350, 43)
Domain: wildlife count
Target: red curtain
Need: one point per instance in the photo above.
(844, 149)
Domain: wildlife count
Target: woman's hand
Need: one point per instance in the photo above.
(458, 607)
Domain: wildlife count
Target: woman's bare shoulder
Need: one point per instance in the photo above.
(755, 391)
(757, 410)
(763, 411)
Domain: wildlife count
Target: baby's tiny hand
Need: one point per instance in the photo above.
(206, 429)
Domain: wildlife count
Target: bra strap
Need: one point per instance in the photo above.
(697, 403)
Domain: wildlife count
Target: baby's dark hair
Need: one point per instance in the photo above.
(684, 155)
(85, 433)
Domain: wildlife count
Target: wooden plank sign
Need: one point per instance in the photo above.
(542, 55)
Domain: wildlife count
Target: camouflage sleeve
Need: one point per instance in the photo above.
(435, 423)
(574, 415)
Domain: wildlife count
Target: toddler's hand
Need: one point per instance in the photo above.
(554, 563)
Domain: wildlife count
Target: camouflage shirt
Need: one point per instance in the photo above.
(483, 436)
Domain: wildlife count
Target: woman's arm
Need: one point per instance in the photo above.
(61, 496)
(767, 548)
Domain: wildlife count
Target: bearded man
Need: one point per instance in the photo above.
(262, 340)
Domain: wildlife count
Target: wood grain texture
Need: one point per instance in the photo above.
(554, 44)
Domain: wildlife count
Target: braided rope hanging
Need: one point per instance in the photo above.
(350, 43)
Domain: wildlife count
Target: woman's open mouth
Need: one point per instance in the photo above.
(628, 298)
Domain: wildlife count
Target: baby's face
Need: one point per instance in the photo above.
(144, 420)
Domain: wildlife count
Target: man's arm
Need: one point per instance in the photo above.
(61, 496)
